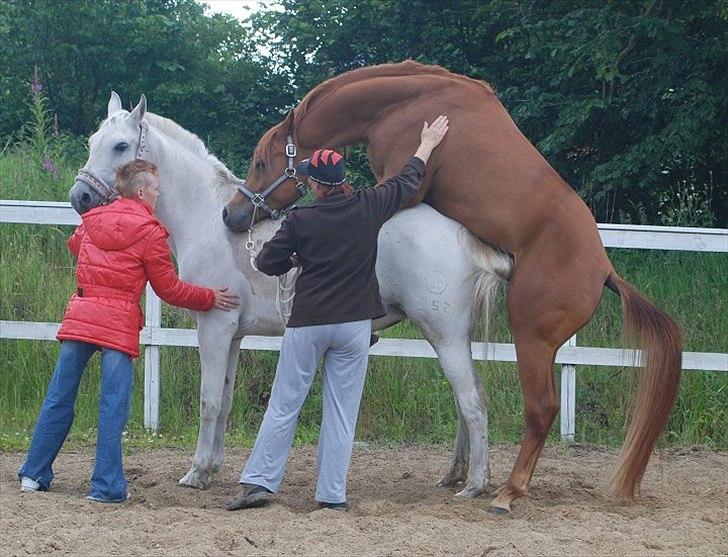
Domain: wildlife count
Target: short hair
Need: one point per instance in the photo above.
(133, 175)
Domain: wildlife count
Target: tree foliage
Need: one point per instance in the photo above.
(199, 70)
(628, 100)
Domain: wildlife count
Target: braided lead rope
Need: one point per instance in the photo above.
(286, 284)
(285, 293)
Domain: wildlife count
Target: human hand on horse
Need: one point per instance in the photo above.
(224, 300)
(431, 136)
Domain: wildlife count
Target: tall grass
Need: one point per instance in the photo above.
(405, 400)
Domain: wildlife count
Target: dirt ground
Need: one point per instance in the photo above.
(395, 509)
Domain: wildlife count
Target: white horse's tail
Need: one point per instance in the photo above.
(494, 268)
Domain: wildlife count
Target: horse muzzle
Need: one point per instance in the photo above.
(83, 198)
(239, 219)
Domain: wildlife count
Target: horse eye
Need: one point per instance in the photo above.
(121, 147)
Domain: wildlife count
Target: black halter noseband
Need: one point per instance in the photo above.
(259, 198)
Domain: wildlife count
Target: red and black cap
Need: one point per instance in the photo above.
(325, 166)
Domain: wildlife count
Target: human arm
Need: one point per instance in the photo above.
(278, 254)
(162, 275)
(391, 196)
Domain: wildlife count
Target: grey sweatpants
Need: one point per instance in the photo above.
(344, 348)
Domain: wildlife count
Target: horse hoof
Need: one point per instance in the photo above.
(498, 510)
(470, 492)
(448, 481)
(192, 479)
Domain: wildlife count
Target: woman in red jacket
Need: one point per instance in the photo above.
(119, 247)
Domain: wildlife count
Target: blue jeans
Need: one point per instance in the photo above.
(56, 416)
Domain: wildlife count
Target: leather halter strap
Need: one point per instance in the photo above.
(108, 191)
(259, 199)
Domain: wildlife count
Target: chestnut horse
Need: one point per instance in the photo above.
(489, 177)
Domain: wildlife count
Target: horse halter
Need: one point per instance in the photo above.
(108, 192)
(259, 199)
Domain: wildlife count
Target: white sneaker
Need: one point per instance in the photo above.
(28, 486)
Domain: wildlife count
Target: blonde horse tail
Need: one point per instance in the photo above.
(660, 339)
(494, 269)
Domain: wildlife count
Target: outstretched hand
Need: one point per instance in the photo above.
(224, 300)
(431, 136)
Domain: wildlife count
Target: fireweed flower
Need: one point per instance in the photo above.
(36, 87)
(50, 167)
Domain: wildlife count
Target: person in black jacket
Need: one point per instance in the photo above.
(337, 295)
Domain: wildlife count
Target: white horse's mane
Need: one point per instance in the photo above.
(194, 145)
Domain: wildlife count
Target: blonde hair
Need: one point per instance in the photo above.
(134, 175)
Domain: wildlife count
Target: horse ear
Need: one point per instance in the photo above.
(140, 110)
(114, 104)
(289, 121)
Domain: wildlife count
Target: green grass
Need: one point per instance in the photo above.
(405, 400)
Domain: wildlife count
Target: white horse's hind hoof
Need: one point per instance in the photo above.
(470, 492)
(195, 479)
(448, 481)
(453, 478)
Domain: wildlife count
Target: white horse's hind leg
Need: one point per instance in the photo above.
(457, 363)
(218, 448)
(459, 468)
(214, 334)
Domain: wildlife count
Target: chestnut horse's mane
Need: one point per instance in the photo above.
(401, 69)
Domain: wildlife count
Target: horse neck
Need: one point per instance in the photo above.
(189, 204)
(346, 115)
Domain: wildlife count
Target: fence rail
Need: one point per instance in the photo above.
(154, 336)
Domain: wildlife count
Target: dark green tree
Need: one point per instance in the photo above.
(201, 71)
(628, 100)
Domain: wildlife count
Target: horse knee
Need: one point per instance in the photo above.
(540, 419)
(209, 410)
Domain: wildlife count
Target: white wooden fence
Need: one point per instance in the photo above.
(153, 336)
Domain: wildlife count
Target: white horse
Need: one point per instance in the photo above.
(430, 269)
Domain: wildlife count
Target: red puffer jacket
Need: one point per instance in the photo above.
(119, 247)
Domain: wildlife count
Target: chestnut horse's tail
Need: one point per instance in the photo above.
(660, 339)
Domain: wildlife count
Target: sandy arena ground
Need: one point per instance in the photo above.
(396, 510)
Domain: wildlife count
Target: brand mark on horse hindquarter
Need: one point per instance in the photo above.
(436, 282)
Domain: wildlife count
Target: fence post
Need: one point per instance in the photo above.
(153, 320)
(568, 398)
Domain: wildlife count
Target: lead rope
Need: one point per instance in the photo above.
(285, 293)
(286, 285)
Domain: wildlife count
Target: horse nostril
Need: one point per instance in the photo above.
(224, 214)
(85, 199)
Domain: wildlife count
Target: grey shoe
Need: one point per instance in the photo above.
(340, 507)
(250, 497)
(28, 485)
(100, 500)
